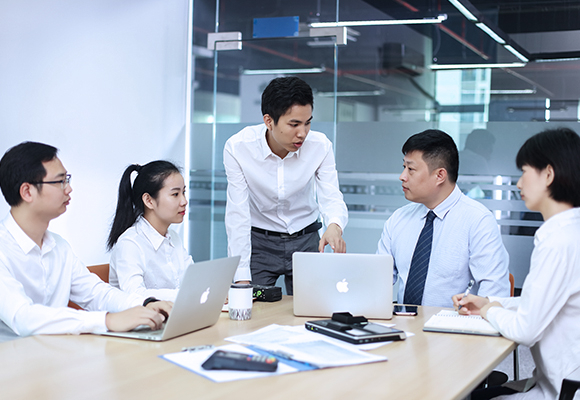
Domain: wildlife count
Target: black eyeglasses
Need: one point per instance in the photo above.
(63, 182)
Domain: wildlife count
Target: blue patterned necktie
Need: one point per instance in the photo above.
(420, 263)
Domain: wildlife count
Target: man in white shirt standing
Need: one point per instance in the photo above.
(279, 175)
(444, 239)
(39, 273)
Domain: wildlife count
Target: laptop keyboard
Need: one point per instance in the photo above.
(148, 330)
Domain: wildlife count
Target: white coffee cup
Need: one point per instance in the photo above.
(240, 301)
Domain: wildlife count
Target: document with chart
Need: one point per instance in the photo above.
(305, 346)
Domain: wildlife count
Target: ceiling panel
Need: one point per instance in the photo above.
(538, 26)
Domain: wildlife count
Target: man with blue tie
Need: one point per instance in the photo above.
(444, 239)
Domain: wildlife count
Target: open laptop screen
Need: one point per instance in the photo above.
(325, 283)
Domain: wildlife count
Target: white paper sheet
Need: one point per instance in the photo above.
(306, 346)
(192, 361)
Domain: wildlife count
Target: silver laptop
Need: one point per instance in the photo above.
(325, 283)
(198, 303)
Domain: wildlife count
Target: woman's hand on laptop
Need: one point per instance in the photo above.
(133, 317)
(162, 307)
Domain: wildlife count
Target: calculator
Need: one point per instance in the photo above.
(240, 361)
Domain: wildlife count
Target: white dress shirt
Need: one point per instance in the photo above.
(37, 283)
(547, 315)
(277, 194)
(147, 263)
(466, 245)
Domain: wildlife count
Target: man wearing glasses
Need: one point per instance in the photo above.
(39, 273)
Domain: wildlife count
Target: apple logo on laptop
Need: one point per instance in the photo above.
(204, 296)
(342, 286)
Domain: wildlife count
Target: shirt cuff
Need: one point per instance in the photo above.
(492, 314)
(337, 222)
(135, 300)
(95, 321)
(243, 274)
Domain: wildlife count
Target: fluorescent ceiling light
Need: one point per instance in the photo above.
(513, 91)
(476, 66)
(501, 91)
(516, 53)
(283, 71)
(352, 93)
(543, 60)
(490, 32)
(437, 20)
(463, 10)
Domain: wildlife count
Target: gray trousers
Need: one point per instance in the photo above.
(272, 257)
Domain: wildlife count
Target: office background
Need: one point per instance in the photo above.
(105, 82)
(112, 83)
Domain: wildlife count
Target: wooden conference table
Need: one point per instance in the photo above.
(425, 366)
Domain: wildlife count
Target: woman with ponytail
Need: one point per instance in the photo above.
(147, 257)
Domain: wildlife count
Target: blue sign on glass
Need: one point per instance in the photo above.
(275, 27)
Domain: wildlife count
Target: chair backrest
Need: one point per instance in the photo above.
(102, 271)
(512, 285)
(570, 385)
(568, 390)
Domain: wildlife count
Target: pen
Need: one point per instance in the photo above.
(469, 286)
(285, 356)
(198, 348)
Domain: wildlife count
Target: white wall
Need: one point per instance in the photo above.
(102, 80)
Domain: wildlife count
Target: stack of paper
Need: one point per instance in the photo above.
(303, 345)
(296, 348)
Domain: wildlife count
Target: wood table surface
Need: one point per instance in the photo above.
(427, 365)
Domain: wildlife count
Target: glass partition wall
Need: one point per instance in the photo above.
(373, 88)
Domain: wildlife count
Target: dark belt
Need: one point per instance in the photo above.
(313, 227)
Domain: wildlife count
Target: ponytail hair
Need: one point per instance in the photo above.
(150, 179)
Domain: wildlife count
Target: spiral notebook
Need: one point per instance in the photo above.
(451, 322)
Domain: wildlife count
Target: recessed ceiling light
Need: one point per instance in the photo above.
(438, 20)
(476, 66)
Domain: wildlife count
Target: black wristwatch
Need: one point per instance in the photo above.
(149, 300)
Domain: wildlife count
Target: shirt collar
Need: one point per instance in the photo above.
(556, 222)
(266, 151)
(23, 240)
(154, 237)
(443, 208)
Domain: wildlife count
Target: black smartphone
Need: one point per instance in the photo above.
(405, 310)
(240, 361)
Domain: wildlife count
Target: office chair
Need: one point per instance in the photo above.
(102, 271)
(497, 378)
(569, 388)
(570, 385)
(516, 353)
